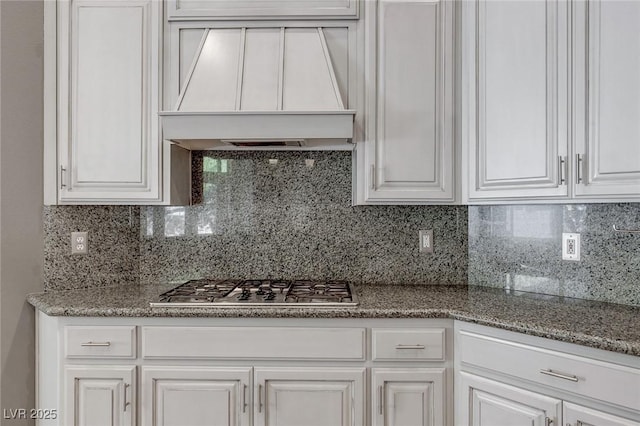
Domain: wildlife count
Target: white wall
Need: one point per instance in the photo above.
(21, 238)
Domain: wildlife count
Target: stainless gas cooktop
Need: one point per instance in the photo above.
(256, 293)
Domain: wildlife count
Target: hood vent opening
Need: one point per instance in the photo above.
(255, 143)
(260, 87)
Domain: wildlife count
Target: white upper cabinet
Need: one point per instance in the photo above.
(515, 66)
(106, 58)
(408, 154)
(550, 100)
(606, 114)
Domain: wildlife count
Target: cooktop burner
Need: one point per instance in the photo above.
(265, 292)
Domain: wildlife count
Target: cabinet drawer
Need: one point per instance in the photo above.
(580, 375)
(409, 344)
(253, 342)
(100, 342)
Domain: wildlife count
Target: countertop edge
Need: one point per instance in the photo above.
(597, 342)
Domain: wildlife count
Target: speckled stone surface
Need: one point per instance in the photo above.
(114, 246)
(519, 247)
(293, 220)
(596, 324)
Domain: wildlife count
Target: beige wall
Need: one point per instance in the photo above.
(21, 239)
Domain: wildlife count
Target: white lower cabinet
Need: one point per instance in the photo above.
(408, 397)
(511, 379)
(99, 395)
(491, 403)
(309, 396)
(195, 396)
(245, 371)
(577, 415)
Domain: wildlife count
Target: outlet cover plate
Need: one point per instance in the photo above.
(571, 246)
(426, 241)
(79, 243)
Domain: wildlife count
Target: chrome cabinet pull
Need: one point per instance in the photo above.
(259, 398)
(373, 177)
(244, 398)
(579, 167)
(62, 184)
(548, 421)
(410, 346)
(126, 385)
(380, 399)
(104, 344)
(562, 171)
(559, 375)
(579, 423)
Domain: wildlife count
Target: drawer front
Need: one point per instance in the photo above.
(100, 342)
(584, 376)
(253, 342)
(408, 344)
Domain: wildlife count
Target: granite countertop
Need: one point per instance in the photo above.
(596, 324)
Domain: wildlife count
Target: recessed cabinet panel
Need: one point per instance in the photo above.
(515, 70)
(108, 86)
(309, 396)
(99, 396)
(195, 396)
(404, 397)
(608, 112)
(409, 153)
(574, 414)
(491, 403)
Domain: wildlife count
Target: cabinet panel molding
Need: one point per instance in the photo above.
(607, 135)
(515, 72)
(409, 153)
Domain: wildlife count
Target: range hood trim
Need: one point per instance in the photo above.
(190, 129)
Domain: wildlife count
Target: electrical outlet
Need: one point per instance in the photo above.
(79, 243)
(570, 246)
(426, 241)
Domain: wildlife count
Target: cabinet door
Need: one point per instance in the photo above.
(577, 415)
(408, 397)
(196, 396)
(606, 129)
(515, 98)
(484, 402)
(99, 396)
(409, 143)
(108, 98)
(309, 396)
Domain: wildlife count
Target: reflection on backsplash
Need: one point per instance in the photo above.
(289, 215)
(519, 247)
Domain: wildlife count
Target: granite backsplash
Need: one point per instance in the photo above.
(113, 243)
(259, 214)
(289, 215)
(520, 247)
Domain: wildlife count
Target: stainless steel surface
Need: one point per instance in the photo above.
(561, 172)
(559, 375)
(95, 344)
(631, 231)
(258, 293)
(62, 184)
(244, 398)
(410, 347)
(126, 385)
(579, 167)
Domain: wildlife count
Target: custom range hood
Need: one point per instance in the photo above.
(251, 88)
